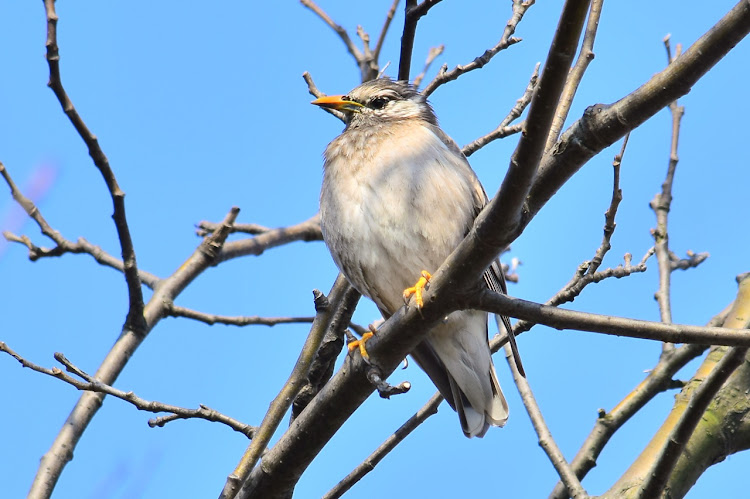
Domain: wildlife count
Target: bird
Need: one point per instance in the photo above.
(397, 198)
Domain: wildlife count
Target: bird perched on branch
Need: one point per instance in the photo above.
(398, 196)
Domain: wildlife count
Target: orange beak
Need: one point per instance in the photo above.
(339, 103)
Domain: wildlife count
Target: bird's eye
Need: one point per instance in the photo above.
(378, 102)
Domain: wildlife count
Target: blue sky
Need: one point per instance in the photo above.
(201, 107)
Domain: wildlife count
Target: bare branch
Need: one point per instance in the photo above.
(609, 215)
(91, 384)
(134, 318)
(431, 55)
(340, 31)
(309, 230)
(661, 204)
(385, 448)
(61, 451)
(619, 326)
(62, 245)
(414, 13)
(659, 473)
(444, 76)
(211, 319)
(205, 228)
(546, 441)
(504, 129)
(317, 94)
(325, 310)
(324, 362)
(576, 74)
(384, 31)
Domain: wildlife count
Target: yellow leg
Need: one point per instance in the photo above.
(360, 343)
(417, 289)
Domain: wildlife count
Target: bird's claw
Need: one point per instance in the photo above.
(417, 289)
(360, 344)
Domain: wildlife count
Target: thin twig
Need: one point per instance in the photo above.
(339, 30)
(576, 74)
(386, 447)
(546, 441)
(505, 129)
(307, 231)
(317, 94)
(176, 311)
(91, 384)
(431, 56)
(205, 228)
(609, 215)
(661, 204)
(444, 76)
(62, 245)
(384, 31)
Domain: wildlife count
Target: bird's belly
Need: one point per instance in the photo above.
(394, 232)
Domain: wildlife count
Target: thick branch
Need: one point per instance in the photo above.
(652, 470)
(325, 311)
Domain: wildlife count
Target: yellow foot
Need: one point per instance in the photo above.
(360, 343)
(417, 289)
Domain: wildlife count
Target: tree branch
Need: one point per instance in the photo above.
(661, 205)
(309, 230)
(384, 30)
(444, 76)
(672, 449)
(62, 245)
(61, 451)
(576, 74)
(325, 309)
(134, 320)
(414, 13)
(546, 441)
(602, 125)
(93, 385)
(211, 319)
(619, 326)
(503, 130)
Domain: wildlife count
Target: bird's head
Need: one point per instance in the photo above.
(378, 102)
